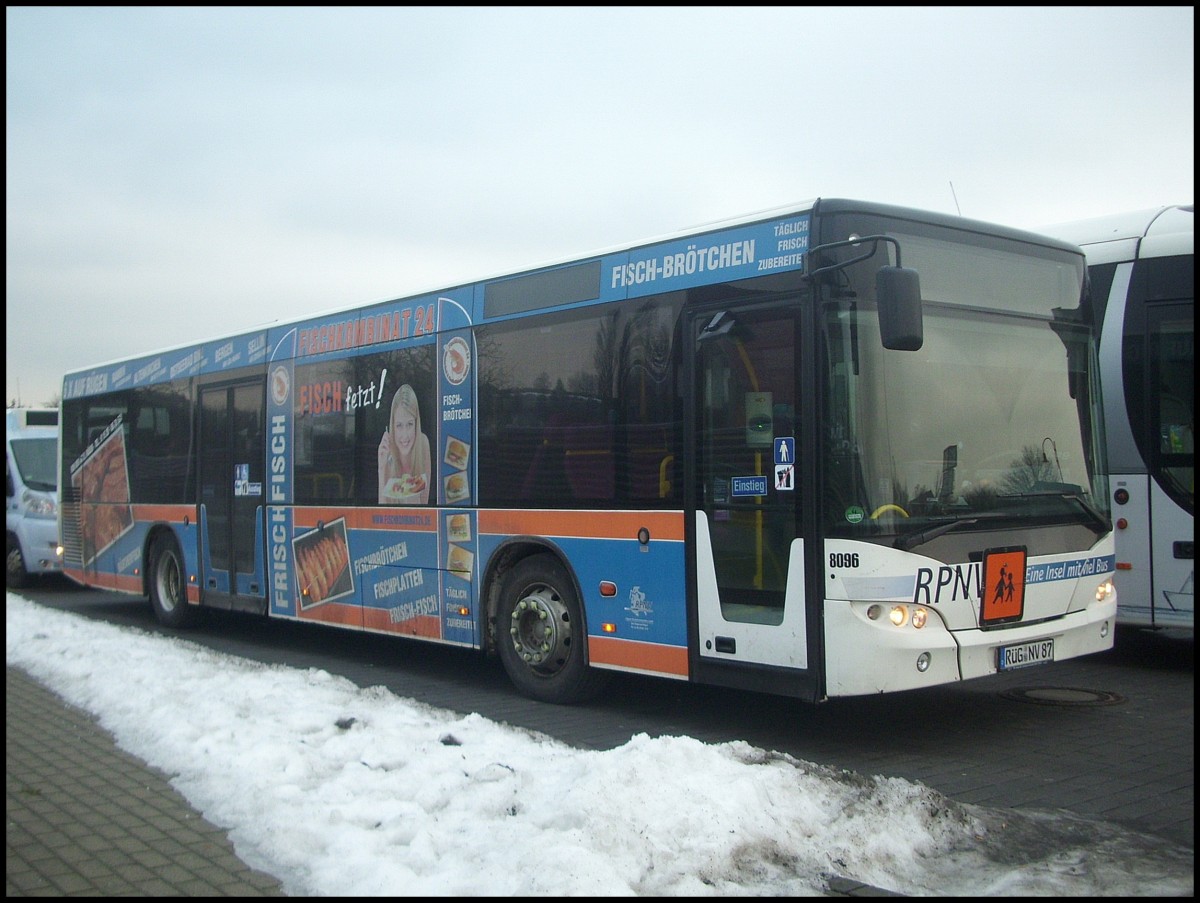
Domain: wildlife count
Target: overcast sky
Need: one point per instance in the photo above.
(343, 791)
(177, 174)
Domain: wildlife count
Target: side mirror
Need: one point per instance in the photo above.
(898, 291)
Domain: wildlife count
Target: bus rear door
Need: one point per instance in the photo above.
(232, 493)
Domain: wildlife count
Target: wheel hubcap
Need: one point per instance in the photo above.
(168, 584)
(540, 629)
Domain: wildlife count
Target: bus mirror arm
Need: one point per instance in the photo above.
(855, 242)
(898, 291)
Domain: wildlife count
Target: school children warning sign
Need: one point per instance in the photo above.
(1003, 597)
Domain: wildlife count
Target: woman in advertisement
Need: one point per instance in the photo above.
(404, 457)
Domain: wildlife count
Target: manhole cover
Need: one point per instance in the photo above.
(1063, 696)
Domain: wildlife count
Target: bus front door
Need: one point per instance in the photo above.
(232, 455)
(749, 572)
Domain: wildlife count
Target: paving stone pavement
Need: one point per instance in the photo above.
(86, 819)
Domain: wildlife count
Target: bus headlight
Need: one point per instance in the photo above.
(1104, 590)
(899, 615)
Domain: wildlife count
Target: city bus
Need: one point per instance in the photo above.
(1142, 270)
(803, 452)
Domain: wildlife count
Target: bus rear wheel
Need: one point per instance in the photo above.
(541, 635)
(168, 589)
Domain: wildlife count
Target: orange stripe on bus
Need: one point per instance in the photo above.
(421, 626)
(369, 518)
(171, 514)
(604, 650)
(333, 613)
(126, 583)
(588, 524)
(121, 583)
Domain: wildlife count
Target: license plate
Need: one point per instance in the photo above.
(1023, 655)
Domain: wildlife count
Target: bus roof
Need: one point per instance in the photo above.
(20, 419)
(258, 344)
(1153, 232)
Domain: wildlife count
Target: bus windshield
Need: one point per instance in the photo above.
(37, 461)
(990, 423)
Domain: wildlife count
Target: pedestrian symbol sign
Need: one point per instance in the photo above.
(785, 450)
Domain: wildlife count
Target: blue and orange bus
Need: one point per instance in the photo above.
(801, 452)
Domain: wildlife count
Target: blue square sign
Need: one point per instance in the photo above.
(785, 450)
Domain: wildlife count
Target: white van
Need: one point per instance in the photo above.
(31, 465)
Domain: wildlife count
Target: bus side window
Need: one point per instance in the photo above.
(545, 481)
(1176, 425)
(588, 462)
(648, 463)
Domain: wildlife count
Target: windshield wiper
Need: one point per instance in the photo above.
(1101, 523)
(910, 541)
(1097, 521)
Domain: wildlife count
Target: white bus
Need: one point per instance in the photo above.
(1142, 271)
(765, 453)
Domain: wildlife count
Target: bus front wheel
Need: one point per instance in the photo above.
(168, 589)
(541, 635)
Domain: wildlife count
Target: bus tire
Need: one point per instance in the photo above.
(16, 574)
(168, 588)
(541, 635)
